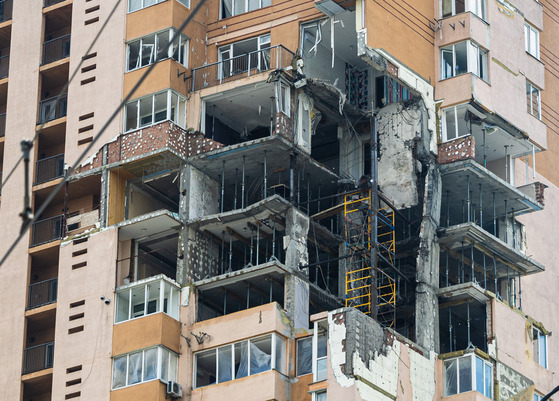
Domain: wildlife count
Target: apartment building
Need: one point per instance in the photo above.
(280, 200)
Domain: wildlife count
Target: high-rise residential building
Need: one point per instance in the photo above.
(305, 200)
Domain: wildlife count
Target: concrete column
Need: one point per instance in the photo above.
(296, 297)
(426, 302)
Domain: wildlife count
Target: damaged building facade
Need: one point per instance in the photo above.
(303, 200)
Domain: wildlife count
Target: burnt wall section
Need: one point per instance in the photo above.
(201, 257)
(400, 133)
(147, 140)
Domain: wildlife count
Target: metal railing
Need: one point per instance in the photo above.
(0, 183)
(51, 2)
(42, 293)
(47, 230)
(56, 49)
(2, 124)
(49, 112)
(5, 10)
(38, 357)
(275, 57)
(4, 66)
(49, 168)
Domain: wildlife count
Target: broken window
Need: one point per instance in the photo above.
(135, 5)
(388, 91)
(468, 373)
(304, 132)
(155, 47)
(539, 346)
(454, 122)
(462, 58)
(145, 365)
(238, 360)
(453, 7)
(152, 109)
(311, 36)
(230, 8)
(532, 40)
(146, 299)
(243, 56)
(533, 100)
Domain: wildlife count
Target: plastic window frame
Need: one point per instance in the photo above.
(473, 366)
(143, 5)
(469, 44)
(138, 126)
(182, 46)
(273, 339)
(158, 367)
(529, 29)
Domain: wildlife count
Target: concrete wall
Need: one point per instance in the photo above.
(91, 348)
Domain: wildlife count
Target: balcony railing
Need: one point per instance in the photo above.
(275, 57)
(51, 2)
(49, 112)
(4, 66)
(56, 49)
(2, 125)
(38, 357)
(42, 293)
(47, 230)
(0, 183)
(5, 10)
(49, 168)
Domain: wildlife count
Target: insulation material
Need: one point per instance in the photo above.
(511, 382)
(301, 303)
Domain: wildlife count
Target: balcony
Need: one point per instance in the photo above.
(230, 69)
(48, 3)
(39, 357)
(5, 10)
(42, 293)
(49, 110)
(47, 230)
(2, 125)
(55, 49)
(4, 66)
(49, 169)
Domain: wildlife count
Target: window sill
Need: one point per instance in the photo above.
(534, 57)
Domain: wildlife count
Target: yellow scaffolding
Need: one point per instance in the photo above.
(359, 272)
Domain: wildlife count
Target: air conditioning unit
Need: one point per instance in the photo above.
(174, 390)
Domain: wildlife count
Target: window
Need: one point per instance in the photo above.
(145, 365)
(533, 100)
(154, 109)
(284, 98)
(146, 299)
(462, 58)
(537, 397)
(135, 5)
(532, 40)
(454, 123)
(468, 373)
(453, 7)
(240, 359)
(230, 8)
(388, 91)
(185, 2)
(319, 396)
(539, 345)
(321, 360)
(153, 48)
(240, 57)
(304, 356)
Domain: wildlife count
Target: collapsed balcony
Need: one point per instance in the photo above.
(147, 247)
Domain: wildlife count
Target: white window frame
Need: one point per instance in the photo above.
(273, 348)
(473, 60)
(473, 366)
(477, 7)
(539, 337)
(177, 119)
(261, 4)
(261, 42)
(173, 302)
(185, 3)
(318, 375)
(530, 87)
(532, 40)
(284, 98)
(143, 4)
(180, 57)
(158, 376)
(453, 110)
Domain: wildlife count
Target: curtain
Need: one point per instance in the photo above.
(241, 359)
(259, 360)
